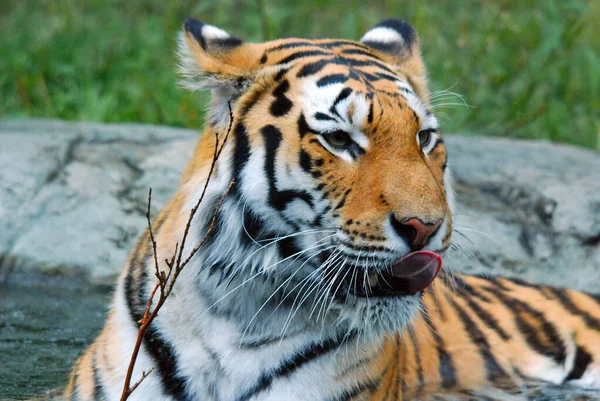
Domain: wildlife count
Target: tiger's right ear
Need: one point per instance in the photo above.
(210, 58)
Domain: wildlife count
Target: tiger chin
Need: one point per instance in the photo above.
(321, 275)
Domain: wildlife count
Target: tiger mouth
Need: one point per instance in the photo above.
(407, 276)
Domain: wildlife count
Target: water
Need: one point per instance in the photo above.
(42, 331)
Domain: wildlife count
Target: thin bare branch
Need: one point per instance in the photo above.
(166, 280)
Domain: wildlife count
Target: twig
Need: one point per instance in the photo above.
(166, 281)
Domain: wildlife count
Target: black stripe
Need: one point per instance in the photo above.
(131, 286)
(160, 351)
(323, 117)
(287, 247)
(138, 263)
(352, 62)
(332, 79)
(493, 280)
(303, 127)
(74, 396)
(312, 68)
(439, 142)
(533, 335)
(305, 161)
(164, 357)
(309, 53)
(278, 199)
(467, 295)
(582, 361)
(241, 154)
(370, 117)
(418, 362)
(356, 390)
(492, 367)
(390, 77)
(331, 43)
(99, 394)
(360, 52)
(253, 98)
(290, 365)
(292, 45)
(446, 367)
(282, 104)
(344, 93)
(342, 202)
(280, 74)
(563, 297)
(252, 230)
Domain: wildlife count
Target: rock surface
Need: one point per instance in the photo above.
(73, 198)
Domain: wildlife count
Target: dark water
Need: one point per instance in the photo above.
(42, 331)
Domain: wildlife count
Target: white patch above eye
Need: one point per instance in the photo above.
(382, 34)
(322, 101)
(212, 32)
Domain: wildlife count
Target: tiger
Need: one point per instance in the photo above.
(327, 219)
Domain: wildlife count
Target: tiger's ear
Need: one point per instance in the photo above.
(398, 42)
(210, 58)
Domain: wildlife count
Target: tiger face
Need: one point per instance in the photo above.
(337, 158)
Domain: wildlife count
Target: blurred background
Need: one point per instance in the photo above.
(527, 69)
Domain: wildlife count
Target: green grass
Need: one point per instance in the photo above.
(529, 69)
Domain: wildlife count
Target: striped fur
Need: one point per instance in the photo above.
(266, 311)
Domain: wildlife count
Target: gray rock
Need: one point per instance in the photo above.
(73, 196)
(527, 209)
(73, 199)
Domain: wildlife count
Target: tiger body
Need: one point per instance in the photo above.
(336, 169)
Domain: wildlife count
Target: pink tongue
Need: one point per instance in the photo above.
(419, 269)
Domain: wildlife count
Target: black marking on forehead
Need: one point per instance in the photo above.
(291, 45)
(344, 93)
(298, 55)
(332, 79)
(341, 96)
(312, 68)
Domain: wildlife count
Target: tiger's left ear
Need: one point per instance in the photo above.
(398, 43)
(210, 58)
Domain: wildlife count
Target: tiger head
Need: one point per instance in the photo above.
(339, 169)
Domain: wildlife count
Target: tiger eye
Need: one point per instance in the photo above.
(339, 139)
(424, 138)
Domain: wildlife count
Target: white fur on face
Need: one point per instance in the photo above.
(315, 99)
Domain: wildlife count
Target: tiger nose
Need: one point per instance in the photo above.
(415, 231)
